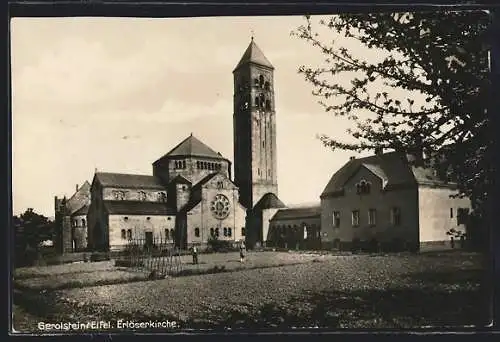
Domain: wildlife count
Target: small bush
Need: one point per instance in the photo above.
(99, 256)
(128, 263)
(220, 246)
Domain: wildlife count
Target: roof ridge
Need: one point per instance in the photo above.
(125, 174)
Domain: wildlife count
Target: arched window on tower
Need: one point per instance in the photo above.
(268, 104)
(266, 85)
(262, 100)
(261, 81)
(256, 101)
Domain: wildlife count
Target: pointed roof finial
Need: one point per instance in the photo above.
(191, 133)
(252, 33)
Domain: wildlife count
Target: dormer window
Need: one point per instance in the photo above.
(363, 187)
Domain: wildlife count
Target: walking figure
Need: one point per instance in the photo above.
(195, 255)
(242, 252)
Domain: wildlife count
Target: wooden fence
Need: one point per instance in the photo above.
(152, 255)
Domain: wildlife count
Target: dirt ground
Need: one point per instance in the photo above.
(296, 290)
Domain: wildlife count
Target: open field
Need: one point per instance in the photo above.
(358, 291)
(104, 272)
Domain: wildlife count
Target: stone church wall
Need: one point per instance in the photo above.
(138, 225)
(79, 233)
(152, 195)
(201, 216)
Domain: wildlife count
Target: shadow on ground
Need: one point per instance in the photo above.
(463, 304)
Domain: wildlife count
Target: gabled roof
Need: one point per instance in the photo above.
(253, 54)
(122, 180)
(82, 211)
(193, 147)
(181, 179)
(297, 213)
(392, 168)
(196, 191)
(269, 201)
(137, 208)
(84, 188)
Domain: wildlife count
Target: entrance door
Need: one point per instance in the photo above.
(149, 240)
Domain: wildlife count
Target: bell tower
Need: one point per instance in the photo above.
(254, 124)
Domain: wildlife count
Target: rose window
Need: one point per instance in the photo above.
(220, 206)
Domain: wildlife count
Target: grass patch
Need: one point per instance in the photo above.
(78, 284)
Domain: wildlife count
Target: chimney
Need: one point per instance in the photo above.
(379, 150)
(76, 188)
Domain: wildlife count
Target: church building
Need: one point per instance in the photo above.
(191, 196)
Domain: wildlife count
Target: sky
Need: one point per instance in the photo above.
(115, 94)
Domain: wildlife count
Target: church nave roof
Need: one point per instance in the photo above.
(132, 181)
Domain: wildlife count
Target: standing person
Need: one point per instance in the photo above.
(242, 251)
(195, 255)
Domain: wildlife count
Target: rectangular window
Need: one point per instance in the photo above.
(243, 231)
(372, 217)
(336, 219)
(396, 216)
(355, 218)
(451, 212)
(462, 215)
